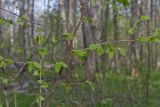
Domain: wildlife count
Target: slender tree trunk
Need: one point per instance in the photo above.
(105, 31)
(90, 64)
(1, 26)
(69, 44)
(116, 37)
(96, 29)
(0, 16)
(148, 11)
(22, 27)
(134, 19)
(32, 18)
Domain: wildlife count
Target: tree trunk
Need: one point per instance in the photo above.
(22, 27)
(116, 37)
(0, 16)
(105, 31)
(134, 19)
(90, 64)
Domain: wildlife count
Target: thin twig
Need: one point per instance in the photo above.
(108, 42)
(39, 24)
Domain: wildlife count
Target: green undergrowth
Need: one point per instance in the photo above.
(110, 89)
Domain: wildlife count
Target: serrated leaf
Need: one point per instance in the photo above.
(93, 46)
(43, 51)
(122, 51)
(37, 65)
(58, 67)
(110, 51)
(100, 50)
(80, 53)
(32, 66)
(97, 47)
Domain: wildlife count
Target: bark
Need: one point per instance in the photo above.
(116, 37)
(105, 31)
(69, 44)
(149, 13)
(32, 19)
(1, 51)
(96, 29)
(22, 27)
(90, 65)
(134, 18)
(67, 14)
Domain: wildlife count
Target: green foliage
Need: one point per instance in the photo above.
(94, 2)
(98, 48)
(91, 85)
(4, 62)
(59, 66)
(41, 39)
(39, 98)
(68, 36)
(21, 20)
(80, 53)
(67, 87)
(43, 51)
(145, 18)
(124, 2)
(134, 29)
(87, 19)
(114, 6)
(122, 51)
(43, 83)
(153, 39)
(110, 50)
(34, 67)
(5, 21)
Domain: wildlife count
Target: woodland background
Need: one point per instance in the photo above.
(79, 53)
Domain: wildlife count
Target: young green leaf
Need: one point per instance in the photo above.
(63, 64)
(122, 51)
(41, 39)
(100, 50)
(110, 51)
(93, 46)
(59, 66)
(68, 36)
(145, 18)
(43, 51)
(97, 47)
(124, 2)
(90, 84)
(87, 19)
(33, 66)
(80, 53)
(4, 21)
